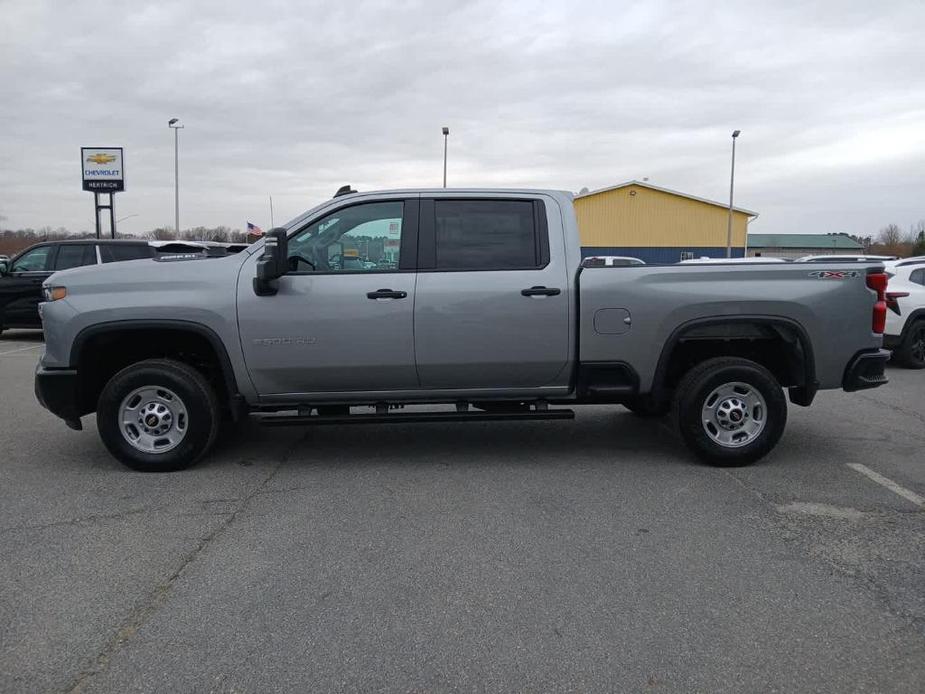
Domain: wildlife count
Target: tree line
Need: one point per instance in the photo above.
(892, 240)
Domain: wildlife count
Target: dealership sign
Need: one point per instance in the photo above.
(102, 169)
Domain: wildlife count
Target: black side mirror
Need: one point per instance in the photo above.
(274, 262)
(4, 268)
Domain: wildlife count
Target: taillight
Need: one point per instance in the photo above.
(892, 303)
(878, 281)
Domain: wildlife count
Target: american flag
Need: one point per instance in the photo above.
(254, 229)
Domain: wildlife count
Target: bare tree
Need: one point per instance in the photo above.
(164, 233)
(892, 241)
(890, 235)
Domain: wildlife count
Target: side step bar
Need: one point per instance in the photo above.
(409, 417)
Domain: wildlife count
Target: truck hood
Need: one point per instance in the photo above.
(177, 272)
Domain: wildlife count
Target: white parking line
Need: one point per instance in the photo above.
(889, 484)
(21, 349)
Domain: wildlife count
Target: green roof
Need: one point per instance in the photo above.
(809, 241)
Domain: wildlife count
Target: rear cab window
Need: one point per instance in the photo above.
(489, 234)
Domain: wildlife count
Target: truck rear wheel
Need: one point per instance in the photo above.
(730, 411)
(158, 415)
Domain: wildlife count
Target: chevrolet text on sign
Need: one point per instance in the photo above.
(102, 169)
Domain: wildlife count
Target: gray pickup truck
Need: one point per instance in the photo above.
(372, 304)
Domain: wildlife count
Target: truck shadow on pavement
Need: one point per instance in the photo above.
(611, 435)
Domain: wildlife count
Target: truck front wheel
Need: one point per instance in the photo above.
(730, 411)
(158, 415)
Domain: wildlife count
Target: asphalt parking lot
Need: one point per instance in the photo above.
(592, 555)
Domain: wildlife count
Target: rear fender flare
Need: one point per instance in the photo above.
(809, 362)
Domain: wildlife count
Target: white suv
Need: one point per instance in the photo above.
(905, 321)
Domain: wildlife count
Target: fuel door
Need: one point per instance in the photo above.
(612, 321)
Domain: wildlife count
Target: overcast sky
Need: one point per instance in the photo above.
(295, 99)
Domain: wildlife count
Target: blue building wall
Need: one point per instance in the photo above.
(661, 256)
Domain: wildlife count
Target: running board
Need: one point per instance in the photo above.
(409, 417)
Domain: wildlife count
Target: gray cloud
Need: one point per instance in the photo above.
(297, 98)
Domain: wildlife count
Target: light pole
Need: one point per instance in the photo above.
(176, 125)
(732, 180)
(446, 132)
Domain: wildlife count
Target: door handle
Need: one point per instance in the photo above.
(386, 294)
(541, 291)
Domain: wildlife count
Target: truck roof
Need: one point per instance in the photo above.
(467, 191)
(559, 194)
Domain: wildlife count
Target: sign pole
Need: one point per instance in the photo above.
(96, 212)
(112, 214)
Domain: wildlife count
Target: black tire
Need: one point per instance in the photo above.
(699, 384)
(647, 407)
(202, 421)
(911, 353)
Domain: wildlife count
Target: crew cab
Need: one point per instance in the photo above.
(472, 299)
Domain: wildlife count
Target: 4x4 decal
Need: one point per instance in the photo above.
(834, 274)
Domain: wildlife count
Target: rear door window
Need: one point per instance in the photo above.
(918, 276)
(486, 235)
(74, 255)
(116, 252)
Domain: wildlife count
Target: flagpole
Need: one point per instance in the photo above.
(272, 225)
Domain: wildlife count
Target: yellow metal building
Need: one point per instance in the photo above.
(657, 225)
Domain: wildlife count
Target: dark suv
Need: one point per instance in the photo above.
(21, 277)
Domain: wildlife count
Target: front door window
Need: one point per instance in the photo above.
(361, 238)
(36, 260)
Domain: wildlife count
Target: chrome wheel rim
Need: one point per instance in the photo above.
(734, 414)
(153, 419)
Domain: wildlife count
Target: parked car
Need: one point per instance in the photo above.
(905, 321)
(611, 261)
(21, 277)
(759, 259)
(489, 311)
(845, 258)
(192, 246)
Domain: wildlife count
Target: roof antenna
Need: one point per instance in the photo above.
(344, 190)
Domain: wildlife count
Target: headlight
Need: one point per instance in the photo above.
(54, 293)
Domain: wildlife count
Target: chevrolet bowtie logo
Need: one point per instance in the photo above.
(101, 158)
